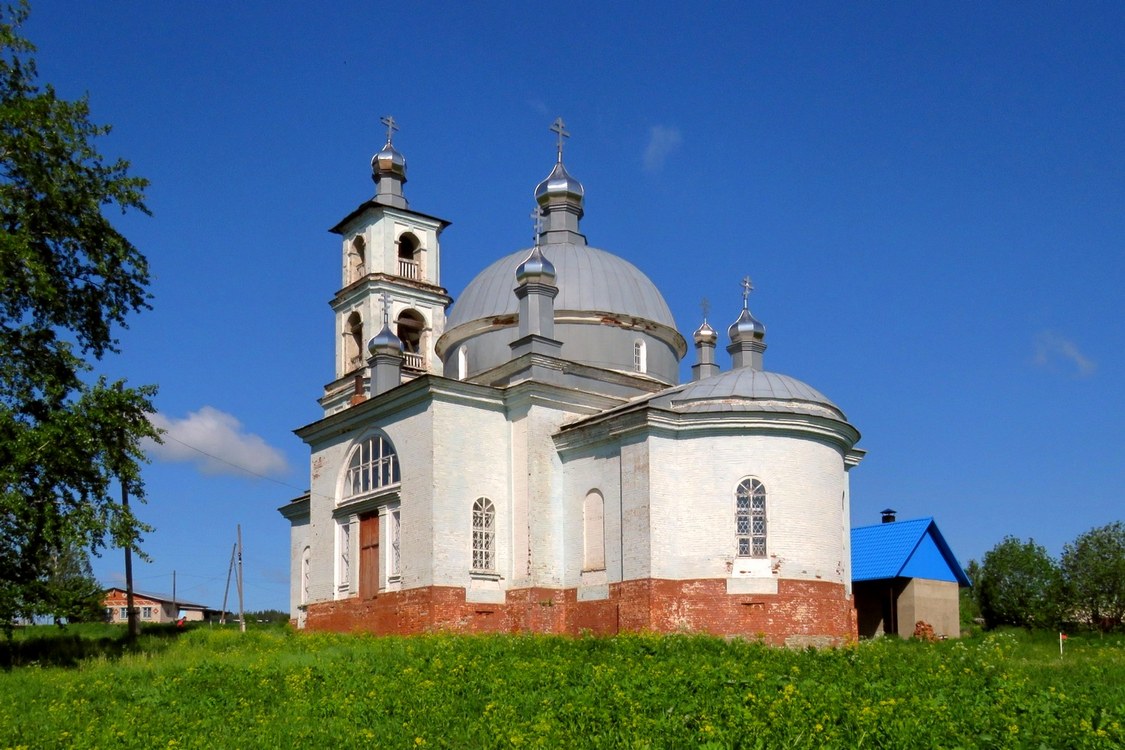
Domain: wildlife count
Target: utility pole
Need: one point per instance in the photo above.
(241, 614)
(132, 628)
(226, 591)
(175, 605)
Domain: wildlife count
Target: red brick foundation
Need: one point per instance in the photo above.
(800, 613)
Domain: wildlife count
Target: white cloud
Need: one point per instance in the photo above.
(1051, 349)
(662, 141)
(216, 443)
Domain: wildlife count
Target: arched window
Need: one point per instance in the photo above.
(353, 341)
(750, 518)
(593, 531)
(411, 326)
(306, 575)
(640, 356)
(372, 466)
(357, 259)
(408, 246)
(484, 534)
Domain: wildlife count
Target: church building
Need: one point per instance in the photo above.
(525, 458)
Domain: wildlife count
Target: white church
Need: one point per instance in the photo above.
(525, 459)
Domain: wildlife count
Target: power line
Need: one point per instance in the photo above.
(241, 468)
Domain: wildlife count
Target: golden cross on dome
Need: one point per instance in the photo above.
(392, 126)
(560, 127)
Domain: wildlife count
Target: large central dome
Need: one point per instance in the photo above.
(602, 311)
(589, 280)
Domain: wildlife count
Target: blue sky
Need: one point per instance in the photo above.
(930, 199)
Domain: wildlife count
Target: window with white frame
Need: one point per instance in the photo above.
(640, 357)
(484, 535)
(393, 563)
(124, 613)
(750, 518)
(373, 465)
(306, 575)
(343, 556)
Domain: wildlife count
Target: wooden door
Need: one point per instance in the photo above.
(369, 555)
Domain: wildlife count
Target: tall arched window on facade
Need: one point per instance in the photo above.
(640, 356)
(408, 266)
(373, 465)
(410, 326)
(593, 531)
(750, 518)
(484, 535)
(357, 259)
(353, 341)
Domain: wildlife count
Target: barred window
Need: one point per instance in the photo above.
(373, 465)
(484, 534)
(750, 518)
(393, 569)
(640, 356)
(343, 557)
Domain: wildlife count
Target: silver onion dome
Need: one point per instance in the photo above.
(384, 339)
(535, 266)
(389, 162)
(705, 334)
(559, 184)
(746, 327)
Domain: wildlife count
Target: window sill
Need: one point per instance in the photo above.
(484, 575)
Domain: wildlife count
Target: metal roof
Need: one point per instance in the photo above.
(904, 549)
(160, 598)
(588, 279)
(728, 390)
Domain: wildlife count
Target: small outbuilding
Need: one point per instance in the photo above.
(904, 572)
(154, 608)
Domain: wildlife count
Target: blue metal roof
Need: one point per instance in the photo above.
(904, 549)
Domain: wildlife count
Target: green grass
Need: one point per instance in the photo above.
(274, 688)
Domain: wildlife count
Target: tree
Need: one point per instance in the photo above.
(1018, 583)
(71, 588)
(1093, 567)
(68, 279)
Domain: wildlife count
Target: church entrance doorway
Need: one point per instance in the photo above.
(368, 555)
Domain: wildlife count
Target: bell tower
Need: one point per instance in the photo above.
(391, 252)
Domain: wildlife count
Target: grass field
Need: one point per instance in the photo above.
(271, 688)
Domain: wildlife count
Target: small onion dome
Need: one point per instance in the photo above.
(536, 265)
(705, 334)
(388, 162)
(384, 339)
(559, 184)
(746, 327)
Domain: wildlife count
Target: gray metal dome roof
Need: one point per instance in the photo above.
(587, 278)
(734, 390)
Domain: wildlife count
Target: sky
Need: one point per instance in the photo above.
(929, 197)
